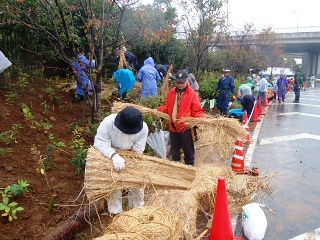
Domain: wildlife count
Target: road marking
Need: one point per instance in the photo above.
(312, 99)
(303, 104)
(250, 150)
(289, 138)
(314, 235)
(298, 113)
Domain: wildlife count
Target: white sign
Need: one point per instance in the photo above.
(212, 103)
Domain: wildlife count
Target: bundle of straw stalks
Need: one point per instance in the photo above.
(148, 221)
(122, 236)
(118, 106)
(141, 171)
(184, 205)
(216, 135)
(165, 85)
(200, 198)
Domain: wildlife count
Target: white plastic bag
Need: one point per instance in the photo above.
(4, 62)
(254, 221)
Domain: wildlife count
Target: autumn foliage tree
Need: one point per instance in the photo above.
(202, 25)
(98, 26)
(250, 49)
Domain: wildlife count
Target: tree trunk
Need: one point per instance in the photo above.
(97, 103)
(77, 222)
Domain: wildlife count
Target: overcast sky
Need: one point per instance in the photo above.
(275, 13)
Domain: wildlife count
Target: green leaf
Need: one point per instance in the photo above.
(5, 200)
(19, 208)
(60, 144)
(15, 189)
(12, 204)
(7, 189)
(7, 209)
(2, 206)
(23, 183)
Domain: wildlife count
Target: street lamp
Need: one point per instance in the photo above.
(297, 20)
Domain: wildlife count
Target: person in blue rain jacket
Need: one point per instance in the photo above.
(125, 81)
(80, 64)
(149, 77)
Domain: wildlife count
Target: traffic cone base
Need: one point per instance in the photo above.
(237, 162)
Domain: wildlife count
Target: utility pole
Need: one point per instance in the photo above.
(297, 21)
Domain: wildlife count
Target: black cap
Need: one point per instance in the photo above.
(129, 120)
(181, 76)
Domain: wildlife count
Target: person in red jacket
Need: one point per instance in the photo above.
(181, 101)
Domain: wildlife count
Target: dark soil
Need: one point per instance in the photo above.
(65, 115)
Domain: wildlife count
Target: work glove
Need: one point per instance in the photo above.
(118, 162)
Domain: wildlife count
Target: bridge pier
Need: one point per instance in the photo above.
(310, 64)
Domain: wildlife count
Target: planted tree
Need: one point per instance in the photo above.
(248, 48)
(202, 26)
(98, 26)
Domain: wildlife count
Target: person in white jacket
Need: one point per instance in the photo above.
(127, 131)
(263, 87)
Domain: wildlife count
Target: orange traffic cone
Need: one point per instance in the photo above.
(237, 162)
(244, 118)
(221, 223)
(266, 101)
(248, 139)
(255, 117)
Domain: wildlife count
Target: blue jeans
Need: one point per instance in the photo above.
(261, 94)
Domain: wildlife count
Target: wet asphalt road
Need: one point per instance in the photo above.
(288, 147)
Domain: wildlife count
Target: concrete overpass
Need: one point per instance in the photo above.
(302, 43)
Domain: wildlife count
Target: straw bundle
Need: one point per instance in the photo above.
(122, 236)
(217, 135)
(184, 205)
(141, 171)
(165, 85)
(200, 198)
(118, 106)
(240, 188)
(148, 221)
